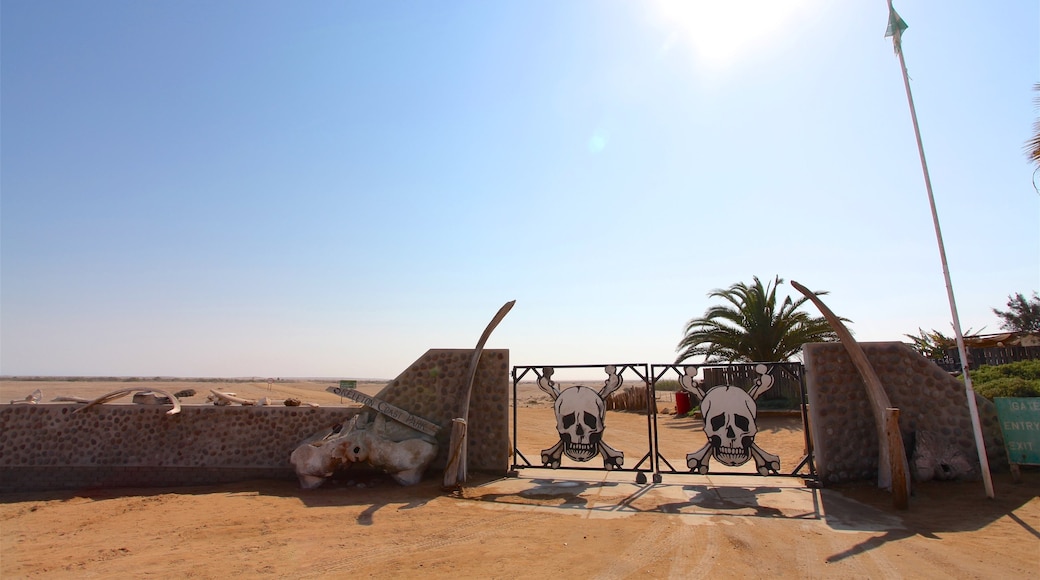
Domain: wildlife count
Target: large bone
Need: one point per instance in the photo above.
(404, 460)
(892, 464)
(316, 461)
(124, 392)
(456, 472)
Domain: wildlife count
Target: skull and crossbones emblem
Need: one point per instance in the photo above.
(729, 423)
(580, 412)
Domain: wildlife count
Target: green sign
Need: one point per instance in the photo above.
(1020, 423)
(348, 384)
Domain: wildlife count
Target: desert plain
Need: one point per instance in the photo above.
(561, 523)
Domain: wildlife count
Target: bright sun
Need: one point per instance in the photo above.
(721, 32)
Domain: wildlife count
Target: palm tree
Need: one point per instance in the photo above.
(932, 344)
(752, 327)
(1033, 145)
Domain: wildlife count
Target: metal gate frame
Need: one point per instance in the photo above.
(641, 370)
(649, 375)
(794, 370)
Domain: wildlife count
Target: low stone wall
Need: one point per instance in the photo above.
(47, 446)
(932, 404)
(50, 447)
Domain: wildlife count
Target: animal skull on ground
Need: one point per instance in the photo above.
(730, 424)
(404, 459)
(580, 413)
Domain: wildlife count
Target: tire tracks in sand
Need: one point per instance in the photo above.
(443, 537)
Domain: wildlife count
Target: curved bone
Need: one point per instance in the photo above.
(455, 472)
(124, 392)
(698, 460)
(892, 464)
(764, 461)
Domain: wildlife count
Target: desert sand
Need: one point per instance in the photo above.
(587, 524)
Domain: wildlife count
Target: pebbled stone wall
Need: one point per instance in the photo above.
(433, 388)
(50, 447)
(933, 408)
(47, 446)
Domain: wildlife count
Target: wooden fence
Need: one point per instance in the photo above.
(786, 385)
(993, 356)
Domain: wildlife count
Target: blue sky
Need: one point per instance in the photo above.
(250, 188)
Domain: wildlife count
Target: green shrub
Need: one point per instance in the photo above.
(667, 386)
(1008, 387)
(1017, 379)
(1025, 369)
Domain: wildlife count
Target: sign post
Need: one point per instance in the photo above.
(344, 385)
(1020, 423)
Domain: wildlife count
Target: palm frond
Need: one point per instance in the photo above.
(752, 326)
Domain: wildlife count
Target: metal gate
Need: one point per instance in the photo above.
(580, 412)
(727, 396)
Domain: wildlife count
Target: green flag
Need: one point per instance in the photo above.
(896, 26)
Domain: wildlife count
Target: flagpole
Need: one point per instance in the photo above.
(896, 27)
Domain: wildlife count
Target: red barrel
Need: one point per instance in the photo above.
(682, 402)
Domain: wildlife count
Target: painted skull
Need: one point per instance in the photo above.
(729, 422)
(579, 420)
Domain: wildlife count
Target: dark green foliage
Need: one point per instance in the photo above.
(1008, 387)
(753, 326)
(1019, 379)
(1022, 315)
(932, 344)
(1024, 369)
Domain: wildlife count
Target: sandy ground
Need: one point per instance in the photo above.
(544, 522)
